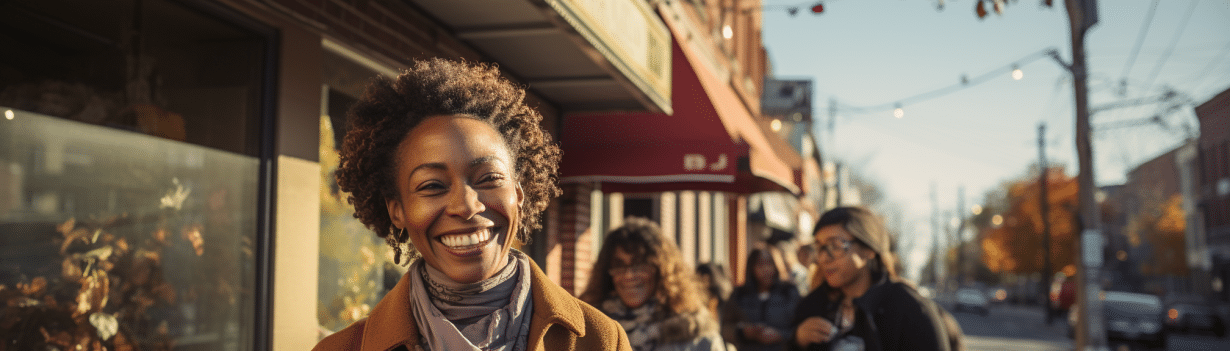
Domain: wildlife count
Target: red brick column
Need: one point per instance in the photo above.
(572, 244)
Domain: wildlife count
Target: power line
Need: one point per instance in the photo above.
(965, 83)
(1140, 39)
(1203, 73)
(1162, 61)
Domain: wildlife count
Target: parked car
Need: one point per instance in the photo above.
(971, 299)
(1130, 317)
(1191, 316)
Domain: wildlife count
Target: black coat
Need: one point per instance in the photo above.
(890, 316)
(745, 306)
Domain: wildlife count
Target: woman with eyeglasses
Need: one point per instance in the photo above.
(860, 303)
(641, 281)
(758, 315)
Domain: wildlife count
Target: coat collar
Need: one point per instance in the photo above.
(875, 295)
(391, 324)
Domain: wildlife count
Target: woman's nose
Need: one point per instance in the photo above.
(465, 203)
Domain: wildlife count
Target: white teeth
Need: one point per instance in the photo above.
(457, 241)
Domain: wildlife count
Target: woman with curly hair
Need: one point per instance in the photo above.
(450, 167)
(860, 303)
(641, 281)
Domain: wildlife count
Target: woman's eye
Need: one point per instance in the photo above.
(491, 178)
(431, 187)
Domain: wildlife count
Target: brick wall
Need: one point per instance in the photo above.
(574, 242)
(1214, 161)
(392, 30)
(386, 27)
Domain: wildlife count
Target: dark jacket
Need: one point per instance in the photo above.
(891, 316)
(746, 307)
(559, 322)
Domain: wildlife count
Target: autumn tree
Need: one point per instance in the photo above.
(1014, 244)
(1160, 225)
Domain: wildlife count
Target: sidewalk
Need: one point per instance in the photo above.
(982, 343)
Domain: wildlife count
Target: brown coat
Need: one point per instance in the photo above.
(559, 322)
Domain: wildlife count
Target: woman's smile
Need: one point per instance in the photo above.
(458, 197)
(466, 243)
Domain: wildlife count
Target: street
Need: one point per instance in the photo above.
(1013, 327)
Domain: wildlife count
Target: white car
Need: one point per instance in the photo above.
(971, 299)
(1129, 317)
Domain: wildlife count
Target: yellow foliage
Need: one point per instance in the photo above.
(1017, 245)
(1165, 227)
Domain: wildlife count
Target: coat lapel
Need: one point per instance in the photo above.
(391, 324)
(553, 306)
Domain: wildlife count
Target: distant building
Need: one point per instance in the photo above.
(1149, 189)
(1213, 185)
(786, 110)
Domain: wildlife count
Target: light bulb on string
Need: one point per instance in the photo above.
(727, 32)
(898, 112)
(776, 125)
(1017, 74)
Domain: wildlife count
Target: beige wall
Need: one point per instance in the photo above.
(296, 254)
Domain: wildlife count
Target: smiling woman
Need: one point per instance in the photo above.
(641, 280)
(438, 162)
(860, 303)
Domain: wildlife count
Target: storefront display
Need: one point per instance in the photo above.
(116, 239)
(132, 191)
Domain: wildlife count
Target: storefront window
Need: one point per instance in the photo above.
(356, 267)
(118, 239)
(129, 176)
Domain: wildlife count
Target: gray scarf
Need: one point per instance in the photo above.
(492, 314)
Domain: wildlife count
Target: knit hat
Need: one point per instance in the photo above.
(861, 223)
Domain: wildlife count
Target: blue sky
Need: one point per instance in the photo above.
(879, 52)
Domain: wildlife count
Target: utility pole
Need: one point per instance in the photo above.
(1045, 206)
(1090, 331)
(840, 182)
(961, 234)
(935, 239)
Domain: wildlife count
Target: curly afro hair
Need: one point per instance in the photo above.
(391, 107)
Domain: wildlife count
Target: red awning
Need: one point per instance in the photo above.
(693, 149)
(646, 148)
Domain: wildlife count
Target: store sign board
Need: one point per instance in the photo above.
(631, 36)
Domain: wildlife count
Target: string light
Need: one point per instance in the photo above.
(965, 82)
(727, 32)
(8, 114)
(776, 125)
(816, 8)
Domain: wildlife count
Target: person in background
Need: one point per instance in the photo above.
(714, 280)
(807, 257)
(450, 167)
(861, 304)
(641, 281)
(797, 271)
(758, 316)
